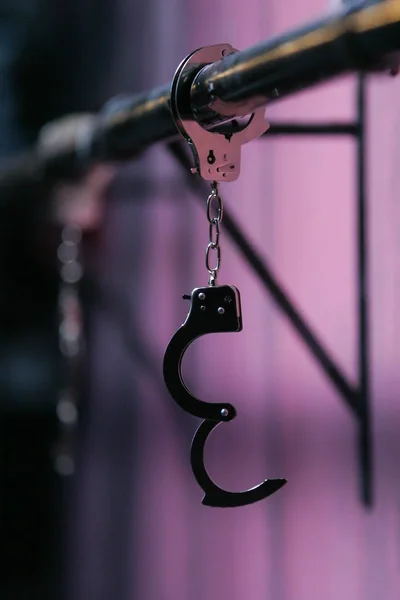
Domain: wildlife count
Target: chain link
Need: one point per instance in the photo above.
(71, 347)
(215, 213)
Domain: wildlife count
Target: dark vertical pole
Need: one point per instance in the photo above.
(365, 442)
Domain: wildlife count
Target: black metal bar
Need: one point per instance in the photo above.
(334, 129)
(366, 37)
(284, 303)
(363, 396)
(356, 38)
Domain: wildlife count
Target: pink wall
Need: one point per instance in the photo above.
(296, 199)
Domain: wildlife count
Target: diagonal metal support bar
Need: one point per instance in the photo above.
(347, 392)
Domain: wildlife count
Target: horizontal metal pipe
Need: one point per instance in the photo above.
(362, 38)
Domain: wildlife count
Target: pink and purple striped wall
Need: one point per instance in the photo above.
(143, 533)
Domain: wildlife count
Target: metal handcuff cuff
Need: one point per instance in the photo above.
(214, 308)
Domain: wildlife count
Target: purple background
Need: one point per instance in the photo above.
(139, 529)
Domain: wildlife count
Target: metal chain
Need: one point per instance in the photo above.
(71, 346)
(214, 204)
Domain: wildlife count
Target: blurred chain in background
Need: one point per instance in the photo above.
(46, 70)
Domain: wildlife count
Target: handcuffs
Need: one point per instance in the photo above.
(215, 308)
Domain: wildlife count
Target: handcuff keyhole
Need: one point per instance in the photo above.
(211, 157)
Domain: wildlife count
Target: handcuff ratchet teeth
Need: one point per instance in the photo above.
(214, 495)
